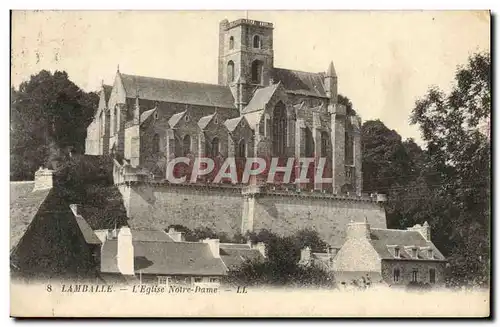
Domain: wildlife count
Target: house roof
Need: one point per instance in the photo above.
(165, 90)
(20, 188)
(234, 255)
(298, 82)
(150, 236)
(88, 233)
(22, 212)
(203, 122)
(146, 114)
(253, 118)
(260, 98)
(381, 239)
(166, 258)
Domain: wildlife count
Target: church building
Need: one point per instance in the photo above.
(255, 110)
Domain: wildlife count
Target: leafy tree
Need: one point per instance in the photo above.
(49, 114)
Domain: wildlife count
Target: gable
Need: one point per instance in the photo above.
(300, 83)
(357, 255)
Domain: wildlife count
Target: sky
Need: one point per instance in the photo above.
(384, 60)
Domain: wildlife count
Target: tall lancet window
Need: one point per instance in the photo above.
(257, 72)
(230, 71)
(279, 129)
(349, 149)
(231, 43)
(257, 42)
(309, 143)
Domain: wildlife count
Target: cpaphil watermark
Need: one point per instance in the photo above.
(242, 170)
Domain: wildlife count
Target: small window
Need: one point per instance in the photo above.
(215, 147)
(156, 115)
(397, 253)
(214, 280)
(186, 117)
(396, 274)
(432, 276)
(231, 42)
(216, 120)
(163, 280)
(256, 42)
(430, 254)
(230, 71)
(414, 253)
(198, 279)
(414, 275)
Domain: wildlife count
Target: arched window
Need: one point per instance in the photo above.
(257, 72)
(242, 147)
(279, 129)
(215, 147)
(396, 274)
(186, 144)
(309, 143)
(231, 42)
(156, 143)
(256, 42)
(230, 71)
(324, 144)
(115, 120)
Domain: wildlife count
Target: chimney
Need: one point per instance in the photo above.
(175, 235)
(43, 179)
(424, 230)
(214, 246)
(358, 230)
(261, 246)
(125, 255)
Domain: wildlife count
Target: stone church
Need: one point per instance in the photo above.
(255, 110)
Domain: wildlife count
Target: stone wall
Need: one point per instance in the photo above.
(406, 268)
(225, 209)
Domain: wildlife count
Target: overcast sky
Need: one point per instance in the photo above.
(384, 60)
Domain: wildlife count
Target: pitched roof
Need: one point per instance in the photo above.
(165, 90)
(146, 114)
(175, 118)
(166, 258)
(150, 236)
(107, 92)
(22, 212)
(231, 124)
(298, 82)
(381, 238)
(203, 122)
(234, 255)
(260, 98)
(20, 188)
(253, 118)
(88, 233)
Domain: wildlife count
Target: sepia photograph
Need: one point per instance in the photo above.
(250, 163)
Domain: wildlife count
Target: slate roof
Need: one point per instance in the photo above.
(146, 114)
(166, 258)
(107, 92)
(165, 90)
(20, 188)
(253, 118)
(150, 236)
(382, 238)
(299, 82)
(88, 233)
(22, 212)
(260, 98)
(203, 122)
(234, 255)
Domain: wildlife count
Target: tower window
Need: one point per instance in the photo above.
(156, 143)
(257, 42)
(230, 71)
(257, 72)
(231, 42)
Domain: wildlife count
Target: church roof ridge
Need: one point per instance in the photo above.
(173, 80)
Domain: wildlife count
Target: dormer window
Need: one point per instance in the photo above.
(257, 42)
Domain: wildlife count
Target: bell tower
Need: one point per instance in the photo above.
(245, 56)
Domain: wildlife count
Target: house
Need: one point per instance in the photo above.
(235, 255)
(391, 256)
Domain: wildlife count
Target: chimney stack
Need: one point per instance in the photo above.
(43, 179)
(358, 230)
(175, 235)
(125, 255)
(305, 255)
(424, 230)
(214, 245)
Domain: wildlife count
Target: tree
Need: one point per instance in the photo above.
(49, 114)
(455, 127)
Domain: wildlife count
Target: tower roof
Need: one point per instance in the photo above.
(331, 71)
